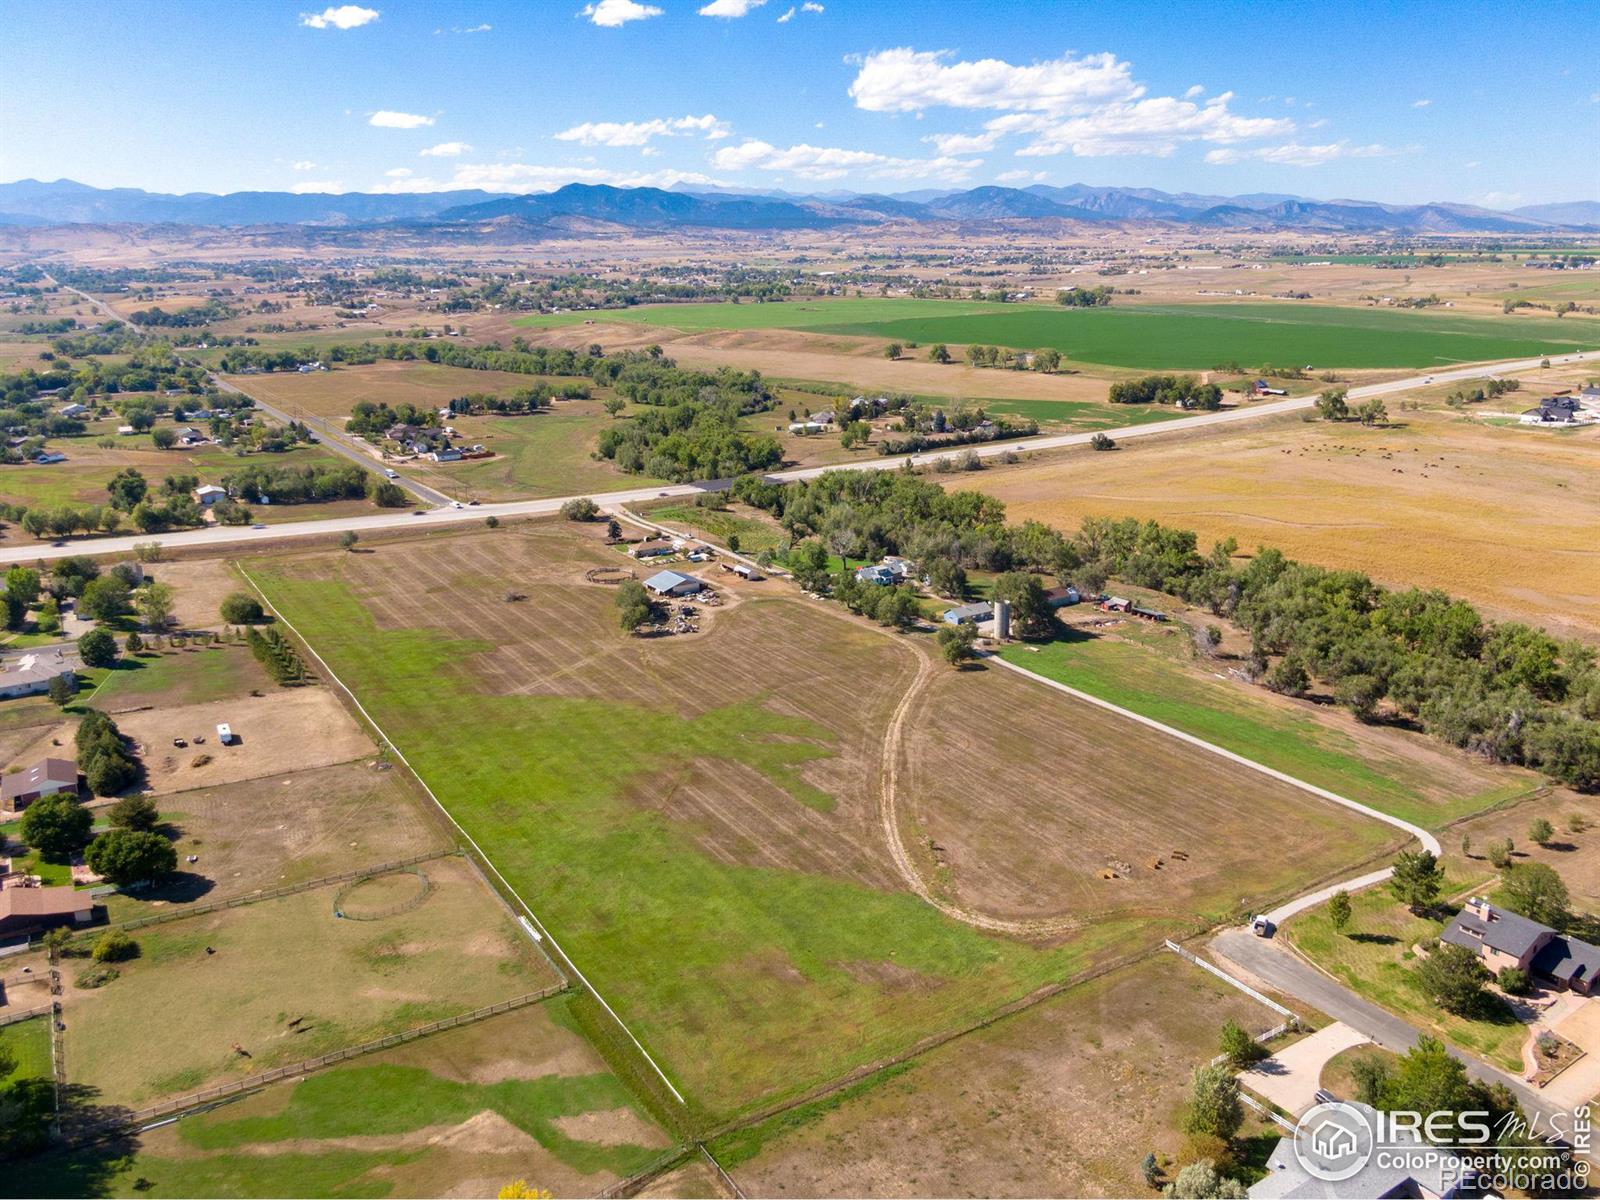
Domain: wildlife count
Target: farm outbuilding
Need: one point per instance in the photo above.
(26, 911)
(45, 778)
(655, 548)
(671, 583)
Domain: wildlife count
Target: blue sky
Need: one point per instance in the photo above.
(1402, 102)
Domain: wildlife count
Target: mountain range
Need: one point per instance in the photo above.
(30, 202)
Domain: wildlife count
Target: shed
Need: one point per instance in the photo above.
(209, 493)
(671, 583)
(969, 614)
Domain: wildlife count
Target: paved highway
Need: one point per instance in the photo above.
(235, 535)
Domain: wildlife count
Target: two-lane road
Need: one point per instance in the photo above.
(242, 535)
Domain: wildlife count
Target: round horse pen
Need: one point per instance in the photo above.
(610, 576)
(374, 897)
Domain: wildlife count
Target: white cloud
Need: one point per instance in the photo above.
(1022, 177)
(345, 16)
(730, 8)
(1294, 154)
(963, 143)
(388, 119)
(399, 172)
(305, 164)
(483, 28)
(1421, 103)
(614, 13)
(787, 16)
(1090, 106)
(826, 162)
(1501, 200)
(445, 150)
(637, 133)
(906, 80)
(323, 185)
(1155, 126)
(811, 7)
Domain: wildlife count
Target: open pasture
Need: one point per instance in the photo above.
(461, 1113)
(333, 393)
(1029, 813)
(697, 820)
(1504, 517)
(1189, 336)
(283, 830)
(286, 980)
(1064, 1099)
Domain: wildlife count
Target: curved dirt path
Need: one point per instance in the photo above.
(889, 817)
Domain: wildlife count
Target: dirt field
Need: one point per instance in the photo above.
(1023, 816)
(287, 728)
(1502, 517)
(1573, 853)
(711, 802)
(286, 980)
(285, 829)
(1019, 1109)
(459, 1114)
(200, 585)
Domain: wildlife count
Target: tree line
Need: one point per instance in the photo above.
(1504, 690)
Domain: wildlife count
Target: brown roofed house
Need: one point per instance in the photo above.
(21, 788)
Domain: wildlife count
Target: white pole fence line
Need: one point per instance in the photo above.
(1267, 1112)
(470, 840)
(1230, 980)
(26, 1015)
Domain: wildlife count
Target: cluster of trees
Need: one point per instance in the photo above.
(998, 429)
(691, 429)
(523, 400)
(635, 606)
(301, 484)
(103, 755)
(280, 659)
(1047, 359)
(372, 420)
(187, 318)
(1080, 297)
(1184, 391)
(1489, 389)
(1333, 405)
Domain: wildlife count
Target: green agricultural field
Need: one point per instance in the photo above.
(1150, 336)
(544, 454)
(1398, 778)
(745, 980)
(697, 819)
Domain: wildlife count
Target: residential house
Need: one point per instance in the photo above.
(74, 410)
(46, 457)
(1061, 597)
(29, 911)
(1589, 396)
(655, 548)
(445, 454)
(671, 583)
(807, 427)
(1552, 410)
(208, 494)
(45, 778)
(1501, 938)
(30, 674)
(889, 571)
(1262, 388)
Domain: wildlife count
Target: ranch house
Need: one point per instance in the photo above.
(1503, 939)
(30, 674)
(655, 548)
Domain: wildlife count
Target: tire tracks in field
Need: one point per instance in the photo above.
(888, 814)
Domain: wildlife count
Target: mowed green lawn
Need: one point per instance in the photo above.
(745, 981)
(1192, 336)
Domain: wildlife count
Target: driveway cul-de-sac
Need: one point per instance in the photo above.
(1291, 1077)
